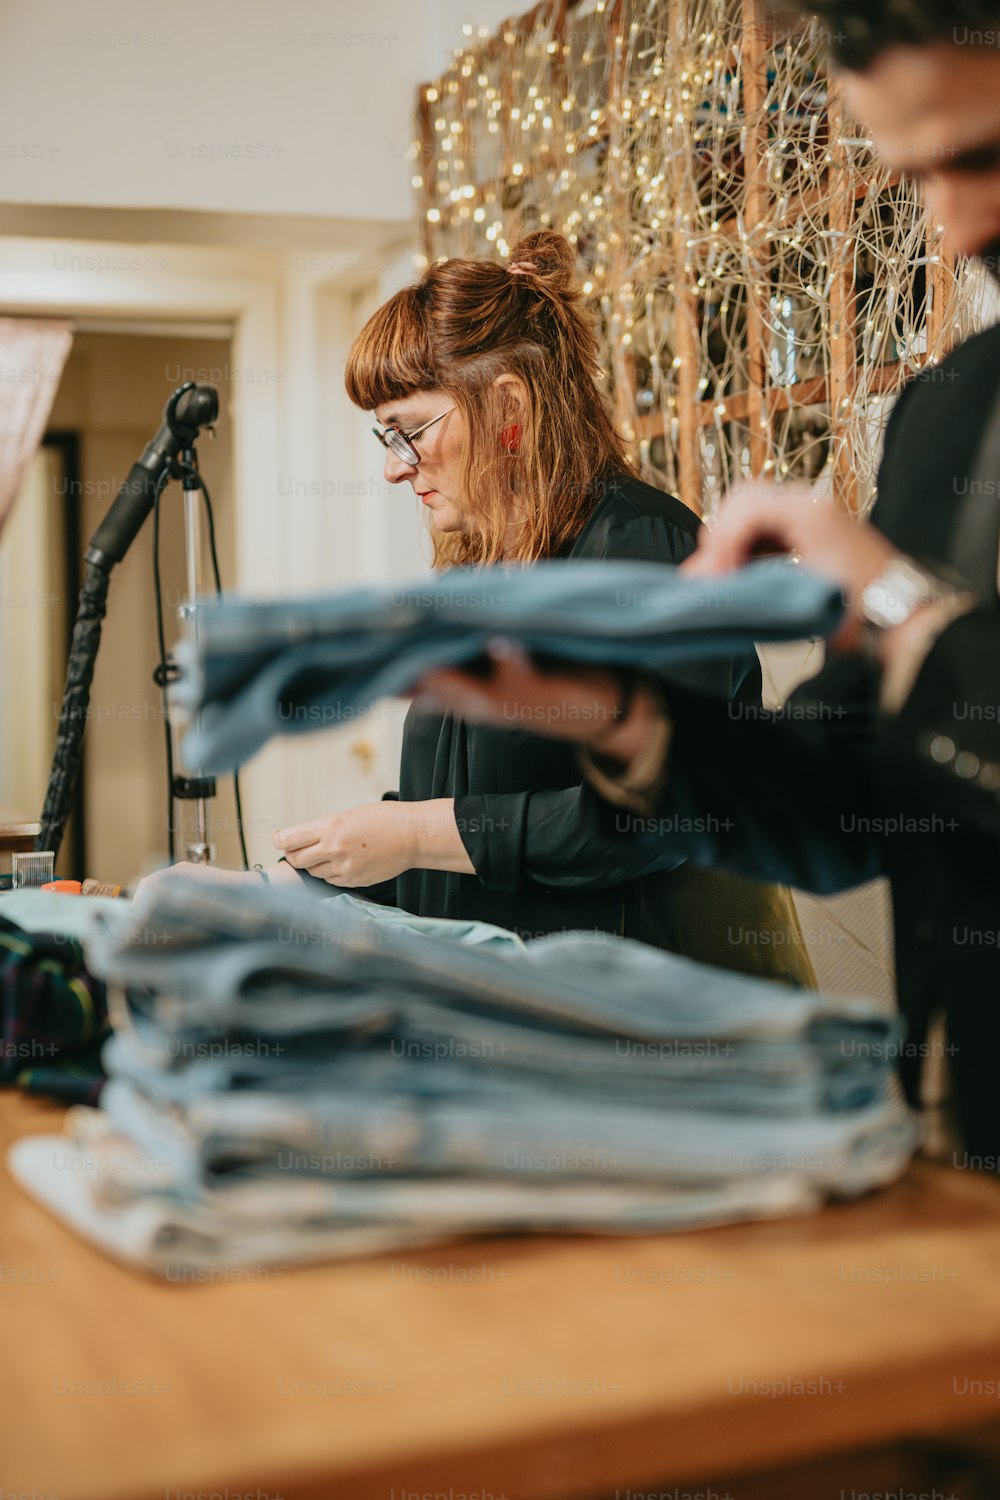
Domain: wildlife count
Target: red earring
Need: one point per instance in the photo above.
(510, 438)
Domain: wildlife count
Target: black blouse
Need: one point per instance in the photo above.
(543, 864)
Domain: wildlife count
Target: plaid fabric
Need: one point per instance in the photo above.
(53, 1016)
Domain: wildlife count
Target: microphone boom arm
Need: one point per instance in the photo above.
(190, 409)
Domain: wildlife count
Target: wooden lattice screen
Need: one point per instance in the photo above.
(763, 286)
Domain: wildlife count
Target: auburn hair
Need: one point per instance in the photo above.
(463, 324)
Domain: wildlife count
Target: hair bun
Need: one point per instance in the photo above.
(550, 258)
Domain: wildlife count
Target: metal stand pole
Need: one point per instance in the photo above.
(194, 787)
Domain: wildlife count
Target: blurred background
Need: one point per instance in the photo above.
(225, 193)
(220, 194)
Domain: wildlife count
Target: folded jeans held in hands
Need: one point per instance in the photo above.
(291, 666)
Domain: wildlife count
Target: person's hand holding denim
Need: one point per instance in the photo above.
(294, 666)
(579, 704)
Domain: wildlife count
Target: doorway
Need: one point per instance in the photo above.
(109, 403)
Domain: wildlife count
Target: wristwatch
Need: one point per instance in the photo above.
(903, 587)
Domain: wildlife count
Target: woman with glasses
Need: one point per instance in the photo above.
(484, 382)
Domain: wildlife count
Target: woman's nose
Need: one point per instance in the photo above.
(396, 469)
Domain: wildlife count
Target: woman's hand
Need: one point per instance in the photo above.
(376, 842)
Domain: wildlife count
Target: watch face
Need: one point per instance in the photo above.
(892, 608)
(899, 591)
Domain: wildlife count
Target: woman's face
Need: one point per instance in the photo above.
(436, 478)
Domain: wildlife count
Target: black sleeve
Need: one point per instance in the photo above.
(948, 732)
(946, 737)
(568, 841)
(787, 797)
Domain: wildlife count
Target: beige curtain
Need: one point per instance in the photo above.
(32, 354)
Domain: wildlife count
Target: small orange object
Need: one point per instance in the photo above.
(64, 887)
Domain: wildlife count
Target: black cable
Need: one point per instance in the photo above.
(213, 553)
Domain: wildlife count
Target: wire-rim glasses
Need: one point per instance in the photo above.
(401, 443)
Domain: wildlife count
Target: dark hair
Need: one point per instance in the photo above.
(463, 324)
(859, 31)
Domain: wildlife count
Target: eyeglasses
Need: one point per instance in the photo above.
(401, 443)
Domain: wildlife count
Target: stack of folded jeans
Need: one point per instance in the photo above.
(293, 1079)
(291, 666)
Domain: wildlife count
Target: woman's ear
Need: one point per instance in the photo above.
(515, 394)
(515, 391)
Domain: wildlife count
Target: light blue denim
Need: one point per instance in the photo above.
(291, 666)
(269, 1036)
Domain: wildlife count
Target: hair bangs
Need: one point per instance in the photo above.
(391, 356)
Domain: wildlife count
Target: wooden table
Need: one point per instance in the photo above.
(513, 1368)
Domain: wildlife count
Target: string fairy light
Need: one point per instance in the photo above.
(762, 286)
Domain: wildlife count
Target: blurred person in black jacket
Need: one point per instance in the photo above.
(888, 761)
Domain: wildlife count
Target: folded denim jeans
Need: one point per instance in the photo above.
(292, 1078)
(481, 1135)
(217, 957)
(436, 1052)
(327, 986)
(274, 991)
(250, 1227)
(291, 666)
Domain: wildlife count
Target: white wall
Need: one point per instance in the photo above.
(242, 106)
(104, 215)
(344, 524)
(311, 508)
(32, 618)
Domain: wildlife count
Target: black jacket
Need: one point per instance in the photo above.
(537, 858)
(543, 862)
(832, 792)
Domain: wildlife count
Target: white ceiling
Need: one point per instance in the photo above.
(302, 107)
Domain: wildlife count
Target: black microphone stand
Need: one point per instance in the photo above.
(190, 408)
